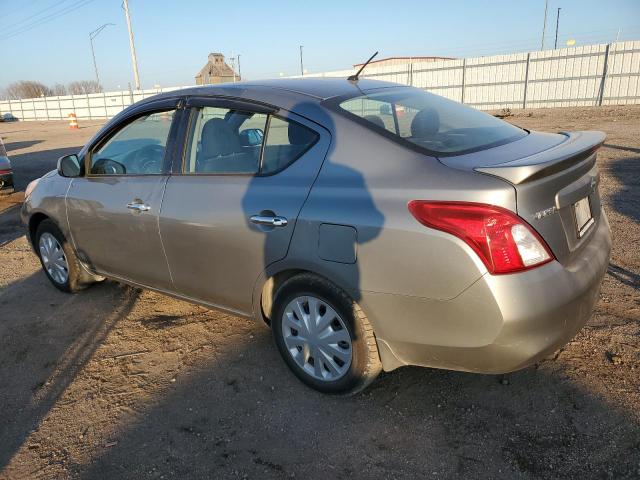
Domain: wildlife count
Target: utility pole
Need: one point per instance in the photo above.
(134, 60)
(555, 45)
(239, 71)
(544, 25)
(93, 35)
(301, 65)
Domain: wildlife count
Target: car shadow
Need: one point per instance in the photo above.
(239, 413)
(45, 346)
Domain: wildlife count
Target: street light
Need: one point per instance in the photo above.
(93, 35)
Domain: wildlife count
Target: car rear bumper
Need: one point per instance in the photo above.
(499, 324)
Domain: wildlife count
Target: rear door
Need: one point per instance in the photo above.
(231, 205)
(113, 210)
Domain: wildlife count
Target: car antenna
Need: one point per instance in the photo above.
(354, 78)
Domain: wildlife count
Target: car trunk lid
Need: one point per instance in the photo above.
(555, 179)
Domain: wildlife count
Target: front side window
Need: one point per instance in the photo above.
(226, 141)
(136, 149)
(432, 122)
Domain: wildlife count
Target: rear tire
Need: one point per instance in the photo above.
(337, 353)
(59, 261)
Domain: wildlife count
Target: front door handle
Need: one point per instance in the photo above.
(138, 207)
(272, 221)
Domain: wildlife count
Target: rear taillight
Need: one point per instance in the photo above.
(502, 240)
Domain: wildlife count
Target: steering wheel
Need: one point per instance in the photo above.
(148, 159)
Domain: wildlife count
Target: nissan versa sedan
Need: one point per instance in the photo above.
(371, 225)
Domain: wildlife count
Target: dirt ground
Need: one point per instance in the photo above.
(121, 383)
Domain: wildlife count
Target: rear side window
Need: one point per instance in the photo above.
(226, 141)
(434, 123)
(286, 141)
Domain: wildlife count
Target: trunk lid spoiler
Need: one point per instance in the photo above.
(575, 148)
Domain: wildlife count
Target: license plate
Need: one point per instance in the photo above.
(584, 219)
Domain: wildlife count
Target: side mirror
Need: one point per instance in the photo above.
(69, 166)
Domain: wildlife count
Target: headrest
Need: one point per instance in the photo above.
(218, 138)
(425, 123)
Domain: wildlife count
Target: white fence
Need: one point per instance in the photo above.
(87, 107)
(582, 76)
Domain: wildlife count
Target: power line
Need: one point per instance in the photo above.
(21, 8)
(56, 4)
(46, 19)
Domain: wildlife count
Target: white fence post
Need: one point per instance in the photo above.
(604, 74)
(464, 73)
(526, 81)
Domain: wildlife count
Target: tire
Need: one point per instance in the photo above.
(76, 278)
(348, 378)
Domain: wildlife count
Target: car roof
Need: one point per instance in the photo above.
(318, 88)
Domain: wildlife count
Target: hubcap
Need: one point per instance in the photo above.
(317, 338)
(53, 258)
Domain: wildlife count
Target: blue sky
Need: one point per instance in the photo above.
(173, 38)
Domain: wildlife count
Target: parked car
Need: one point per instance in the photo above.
(371, 225)
(6, 173)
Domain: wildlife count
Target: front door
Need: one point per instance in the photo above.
(113, 210)
(231, 207)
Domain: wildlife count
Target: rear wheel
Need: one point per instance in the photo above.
(58, 259)
(323, 336)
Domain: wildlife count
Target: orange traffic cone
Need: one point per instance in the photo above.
(73, 121)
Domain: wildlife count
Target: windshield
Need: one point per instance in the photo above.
(434, 123)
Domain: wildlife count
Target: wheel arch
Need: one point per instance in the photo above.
(270, 280)
(34, 222)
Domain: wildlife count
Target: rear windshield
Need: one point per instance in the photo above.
(431, 122)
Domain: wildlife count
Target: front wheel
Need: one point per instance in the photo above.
(323, 336)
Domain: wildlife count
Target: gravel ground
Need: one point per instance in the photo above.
(122, 383)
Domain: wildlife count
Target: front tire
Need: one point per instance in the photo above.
(58, 259)
(323, 336)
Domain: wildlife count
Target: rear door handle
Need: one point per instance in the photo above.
(272, 221)
(138, 207)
